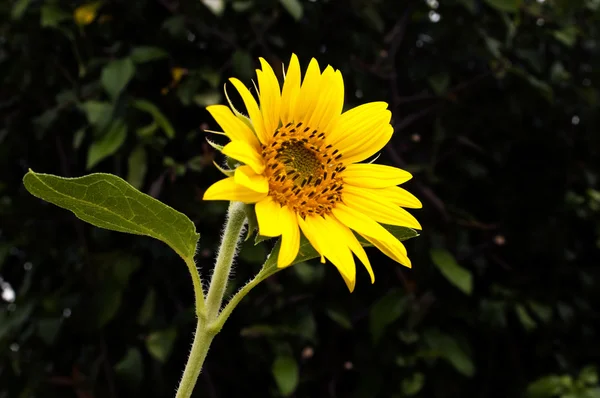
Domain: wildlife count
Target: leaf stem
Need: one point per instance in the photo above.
(235, 300)
(198, 292)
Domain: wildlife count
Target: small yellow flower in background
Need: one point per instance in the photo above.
(301, 167)
(86, 14)
(177, 74)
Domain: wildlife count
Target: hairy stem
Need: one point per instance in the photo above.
(208, 311)
(233, 228)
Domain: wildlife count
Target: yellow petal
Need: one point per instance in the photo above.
(253, 110)
(373, 232)
(360, 222)
(245, 176)
(267, 214)
(329, 101)
(322, 235)
(378, 208)
(290, 91)
(270, 97)
(311, 236)
(246, 154)
(356, 118)
(228, 189)
(394, 249)
(290, 237)
(362, 131)
(352, 242)
(374, 175)
(367, 144)
(305, 102)
(397, 196)
(235, 129)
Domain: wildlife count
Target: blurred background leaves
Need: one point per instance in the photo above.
(495, 109)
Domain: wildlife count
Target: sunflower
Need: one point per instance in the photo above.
(300, 165)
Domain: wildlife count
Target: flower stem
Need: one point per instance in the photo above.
(208, 311)
(231, 234)
(202, 340)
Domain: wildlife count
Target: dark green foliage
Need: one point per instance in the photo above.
(496, 113)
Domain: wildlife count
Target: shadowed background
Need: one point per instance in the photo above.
(495, 109)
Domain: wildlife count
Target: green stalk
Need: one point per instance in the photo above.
(208, 311)
(233, 228)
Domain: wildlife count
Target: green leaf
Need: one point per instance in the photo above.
(454, 273)
(413, 384)
(493, 46)
(504, 5)
(305, 252)
(241, 6)
(115, 76)
(160, 343)
(147, 309)
(286, 374)
(158, 116)
(137, 166)
(51, 16)
(78, 138)
(447, 347)
(105, 305)
(108, 144)
(541, 86)
(588, 376)
(542, 311)
(526, 319)
(19, 8)
(131, 367)
(98, 113)
(196, 163)
(210, 97)
(293, 7)
(566, 36)
(216, 6)
(340, 318)
(147, 131)
(107, 201)
(549, 386)
(176, 26)
(143, 54)
(386, 311)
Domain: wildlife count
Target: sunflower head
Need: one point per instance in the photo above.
(300, 157)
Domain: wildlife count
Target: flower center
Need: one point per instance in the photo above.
(303, 171)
